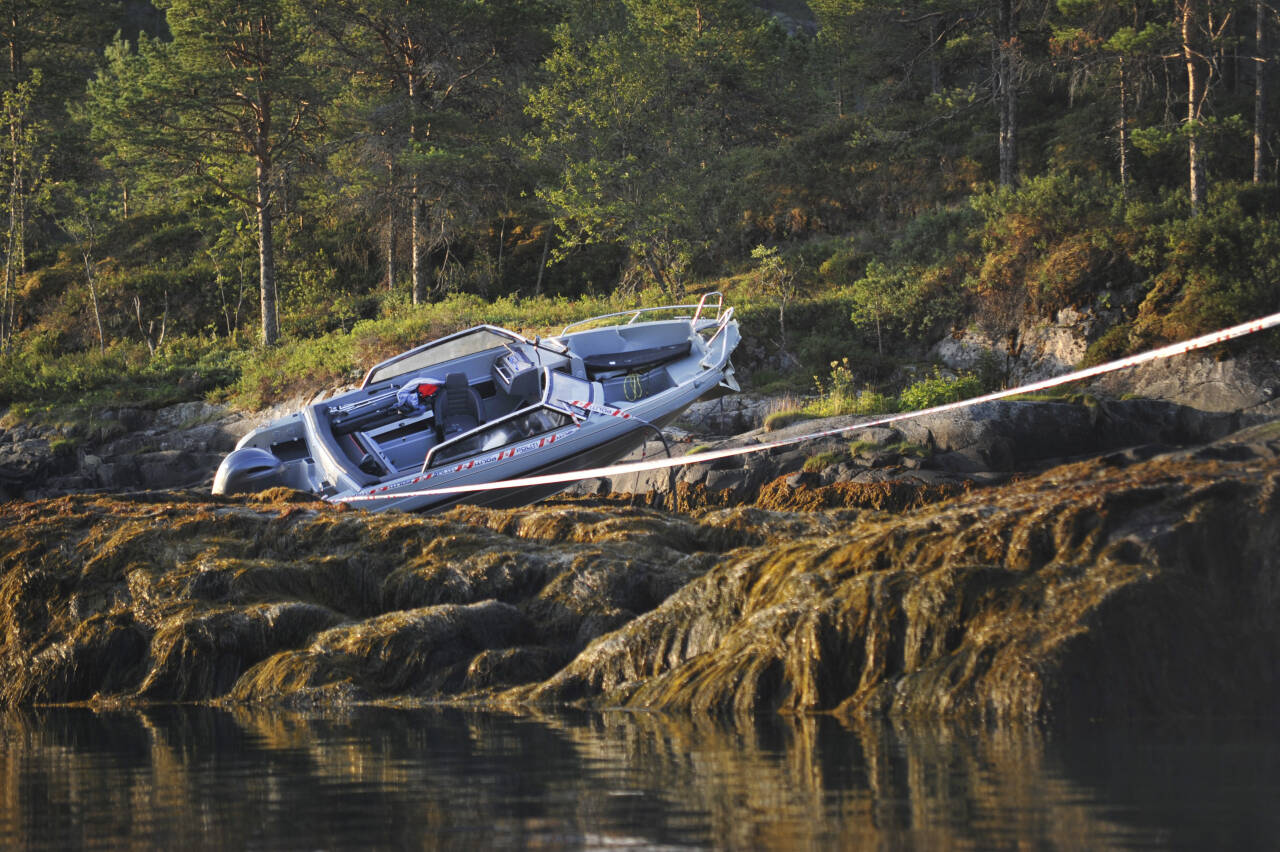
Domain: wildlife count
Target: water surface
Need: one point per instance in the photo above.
(390, 778)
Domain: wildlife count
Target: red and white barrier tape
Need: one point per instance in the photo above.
(1201, 342)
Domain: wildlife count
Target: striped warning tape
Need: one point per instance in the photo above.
(1202, 342)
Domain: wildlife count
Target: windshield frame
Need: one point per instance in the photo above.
(410, 362)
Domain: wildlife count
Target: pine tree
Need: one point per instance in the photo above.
(229, 101)
(421, 83)
(650, 114)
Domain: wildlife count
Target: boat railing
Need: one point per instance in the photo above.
(708, 308)
(444, 448)
(725, 317)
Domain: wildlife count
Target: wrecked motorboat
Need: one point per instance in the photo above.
(487, 405)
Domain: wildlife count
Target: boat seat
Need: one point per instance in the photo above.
(636, 360)
(456, 407)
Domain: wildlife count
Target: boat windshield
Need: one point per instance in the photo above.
(460, 345)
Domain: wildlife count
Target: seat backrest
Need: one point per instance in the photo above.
(456, 407)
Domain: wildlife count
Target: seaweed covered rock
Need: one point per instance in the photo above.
(1136, 583)
(278, 600)
(1105, 587)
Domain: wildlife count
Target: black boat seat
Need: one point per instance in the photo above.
(636, 359)
(456, 407)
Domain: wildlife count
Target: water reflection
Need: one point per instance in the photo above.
(199, 777)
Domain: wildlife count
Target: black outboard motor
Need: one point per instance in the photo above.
(247, 470)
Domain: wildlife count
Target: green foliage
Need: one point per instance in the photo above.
(1216, 269)
(63, 446)
(908, 449)
(1057, 240)
(640, 161)
(1114, 343)
(836, 182)
(938, 389)
(838, 394)
(917, 285)
(124, 373)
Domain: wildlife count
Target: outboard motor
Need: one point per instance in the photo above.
(248, 469)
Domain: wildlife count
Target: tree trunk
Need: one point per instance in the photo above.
(1195, 95)
(1259, 89)
(90, 278)
(417, 267)
(1124, 131)
(935, 69)
(1007, 90)
(15, 260)
(391, 248)
(542, 264)
(266, 257)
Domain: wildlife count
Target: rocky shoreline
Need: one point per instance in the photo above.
(1021, 561)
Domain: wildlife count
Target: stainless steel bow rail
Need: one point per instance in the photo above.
(1202, 342)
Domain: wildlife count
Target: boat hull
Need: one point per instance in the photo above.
(527, 408)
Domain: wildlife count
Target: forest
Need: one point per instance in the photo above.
(234, 198)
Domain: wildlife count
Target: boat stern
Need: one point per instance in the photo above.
(277, 455)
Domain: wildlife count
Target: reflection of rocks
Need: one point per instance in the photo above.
(1135, 583)
(245, 778)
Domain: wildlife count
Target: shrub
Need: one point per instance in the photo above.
(938, 390)
(1114, 343)
(838, 394)
(1054, 241)
(1212, 270)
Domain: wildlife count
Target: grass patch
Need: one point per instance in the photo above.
(909, 450)
(1059, 394)
(776, 420)
(821, 461)
(906, 449)
(63, 446)
(34, 373)
(864, 448)
(864, 402)
(39, 368)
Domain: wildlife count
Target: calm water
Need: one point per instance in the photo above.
(194, 777)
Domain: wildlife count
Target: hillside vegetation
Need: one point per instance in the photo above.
(236, 199)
